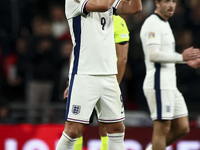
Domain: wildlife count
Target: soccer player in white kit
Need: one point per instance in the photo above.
(121, 35)
(167, 106)
(93, 70)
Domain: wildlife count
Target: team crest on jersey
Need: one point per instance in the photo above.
(76, 109)
(151, 35)
(78, 1)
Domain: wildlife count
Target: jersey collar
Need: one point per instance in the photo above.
(160, 17)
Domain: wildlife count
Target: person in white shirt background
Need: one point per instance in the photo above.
(167, 105)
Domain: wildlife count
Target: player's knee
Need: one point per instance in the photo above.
(121, 128)
(162, 127)
(72, 133)
(116, 128)
(102, 131)
(166, 130)
(73, 130)
(184, 130)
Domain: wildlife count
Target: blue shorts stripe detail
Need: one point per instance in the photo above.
(69, 96)
(77, 35)
(159, 104)
(157, 90)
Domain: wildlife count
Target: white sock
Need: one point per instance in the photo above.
(116, 141)
(65, 142)
(149, 147)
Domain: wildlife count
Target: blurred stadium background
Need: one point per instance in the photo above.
(35, 46)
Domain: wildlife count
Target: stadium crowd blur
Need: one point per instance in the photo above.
(35, 47)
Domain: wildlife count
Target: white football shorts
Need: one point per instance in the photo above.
(101, 92)
(165, 104)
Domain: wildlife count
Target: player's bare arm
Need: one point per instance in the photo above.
(122, 52)
(98, 5)
(129, 7)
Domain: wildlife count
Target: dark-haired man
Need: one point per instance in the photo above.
(167, 106)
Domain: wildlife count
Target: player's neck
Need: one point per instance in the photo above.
(162, 16)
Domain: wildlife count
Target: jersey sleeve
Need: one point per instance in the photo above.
(153, 37)
(155, 55)
(74, 8)
(121, 32)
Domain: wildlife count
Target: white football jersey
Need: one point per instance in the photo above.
(157, 31)
(93, 39)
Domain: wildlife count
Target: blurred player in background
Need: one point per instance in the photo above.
(121, 35)
(167, 105)
(93, 69)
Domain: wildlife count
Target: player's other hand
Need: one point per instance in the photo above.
(191, 53)
(65, 94)
(194, 63)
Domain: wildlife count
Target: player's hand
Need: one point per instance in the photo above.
(194, 63)
(65, 94)
(190, 53)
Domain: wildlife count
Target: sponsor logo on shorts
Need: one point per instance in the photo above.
(76, 109)
(168, 108)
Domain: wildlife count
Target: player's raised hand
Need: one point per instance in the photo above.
(194, 63)
(190, 53)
